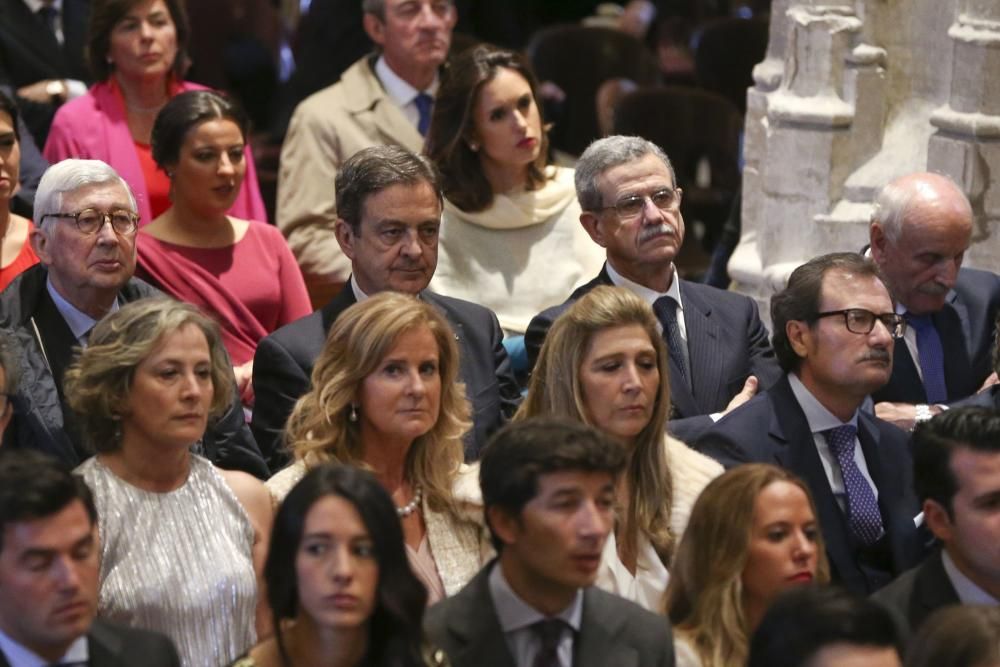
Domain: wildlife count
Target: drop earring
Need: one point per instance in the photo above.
(352, 416)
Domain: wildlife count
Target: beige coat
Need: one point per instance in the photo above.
(327, 128)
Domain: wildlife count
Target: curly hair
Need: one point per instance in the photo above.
(319, 428)
(704, 598)
(99, 381)
(555, 390)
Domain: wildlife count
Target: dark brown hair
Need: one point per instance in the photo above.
(105, 15)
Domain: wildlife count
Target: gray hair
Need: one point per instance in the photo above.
(69, 176)
(603, 154)
(897, 199)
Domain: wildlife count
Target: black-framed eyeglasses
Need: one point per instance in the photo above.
(668, 199)
(90, 220)
(861, 321)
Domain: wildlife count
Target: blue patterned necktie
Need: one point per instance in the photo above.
(549, 632)
(931, 357)
(862, 507)
(666, 311)
(424, 104)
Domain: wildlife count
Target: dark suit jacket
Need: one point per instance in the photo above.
(772, 428)
(284, 360)
(965, 325)
(727, 342)
(987, 398)
(613, 631)
(915, 594)
(119, 646)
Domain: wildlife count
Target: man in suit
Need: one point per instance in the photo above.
(42, 46)
(85, 239)
(389, 204)
(548, 494)
(719, 352)
(384, 98)
(956, 472)
(834, 327)
(920, 228)
(50, 574)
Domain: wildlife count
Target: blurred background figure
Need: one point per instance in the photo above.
(137, 50)
(16, 253)
(183, 543)
(385, 396)
(817, 626)
(511, 237)
(240, 272)
(604, 363)
(752, 534)
(8, 380)
(956, 636)
(337, 534)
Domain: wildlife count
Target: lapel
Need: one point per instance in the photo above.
(373, 109)
(473, 623)
(104, 645)
(59, 342)
(931, 589)
(905, 379)
(595, 646)
(952, 325)
(705, 356)
(343, 300)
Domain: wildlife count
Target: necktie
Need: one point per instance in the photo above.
(549, 632)
(862, 508)
(666, 311)
(424, 104)
(48, 16)
(931, 357)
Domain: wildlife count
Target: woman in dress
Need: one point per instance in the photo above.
(137, 50)
(182, 543)
(238, 271)
(510, 236)
(16, 253)
(752, 534)
(385, 396)
(337, 578)
(604, 363)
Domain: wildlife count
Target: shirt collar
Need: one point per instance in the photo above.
(20, 656)
(643, 292)
(359, 295)
(80, 323)
(35, 5)
(401, 92)
(516, 614)
(968, 591)
(820, 419)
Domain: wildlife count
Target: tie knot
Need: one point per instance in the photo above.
(666, 305)
(549, 631)
(919, 322)
(841, 439)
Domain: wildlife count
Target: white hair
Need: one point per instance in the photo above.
(69, 176)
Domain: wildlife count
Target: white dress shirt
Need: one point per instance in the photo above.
(968, 591)
(19, 656)
(401, 92)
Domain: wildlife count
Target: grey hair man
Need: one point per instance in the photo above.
(719, 353)
(87, 223)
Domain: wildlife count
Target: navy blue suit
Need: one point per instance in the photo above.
(284, 360)
(727, 343)
(772, 428)
(965, 325)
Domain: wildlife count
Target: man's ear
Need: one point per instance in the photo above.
(799, 333)
(505, 526)
(592, 223)
(877, 241)
(937, 519)
(39, 241)
(345, 236)
(374, 27)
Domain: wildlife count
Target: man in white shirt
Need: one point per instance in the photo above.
(384, 98)
(956, 472)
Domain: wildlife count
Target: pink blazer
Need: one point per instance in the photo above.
(94, 126)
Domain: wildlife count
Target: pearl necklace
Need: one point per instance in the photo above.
(412, 506)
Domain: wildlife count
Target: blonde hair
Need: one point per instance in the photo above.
(704, 598)
(319, 428)
(555, 390)
(98, 383)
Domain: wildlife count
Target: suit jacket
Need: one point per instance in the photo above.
(914, 595)
(965, 325)
(113, 645)
(613, 631)
(772, 428)
(727, 342)
(284, 360)
(326, 129)
(987, 398)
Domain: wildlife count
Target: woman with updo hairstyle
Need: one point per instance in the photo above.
(240, 272)
(510, 236)
(385, 396)
(752, 534)
(338, 581)
(182, 543)
(137, 52)
(604, 363)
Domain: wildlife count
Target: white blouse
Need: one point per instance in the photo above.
(646, 587)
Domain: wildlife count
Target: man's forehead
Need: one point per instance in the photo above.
(841, 285)
(637, 174)
(97, 194)
(573, 480)
(60, 530)
(404, 203)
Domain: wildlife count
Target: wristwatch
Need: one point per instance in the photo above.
(923, 413)
(57, 91)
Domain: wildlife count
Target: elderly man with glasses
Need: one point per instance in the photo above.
(719, 353)
(85, 239)
(834, 333)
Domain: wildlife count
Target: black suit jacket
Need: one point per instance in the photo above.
(772, 428)
(915, 594)
(613, 631)
(118, 646)
(727, 343)
(283, 365)
(965, 325)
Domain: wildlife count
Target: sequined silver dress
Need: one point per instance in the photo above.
(179, 562)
